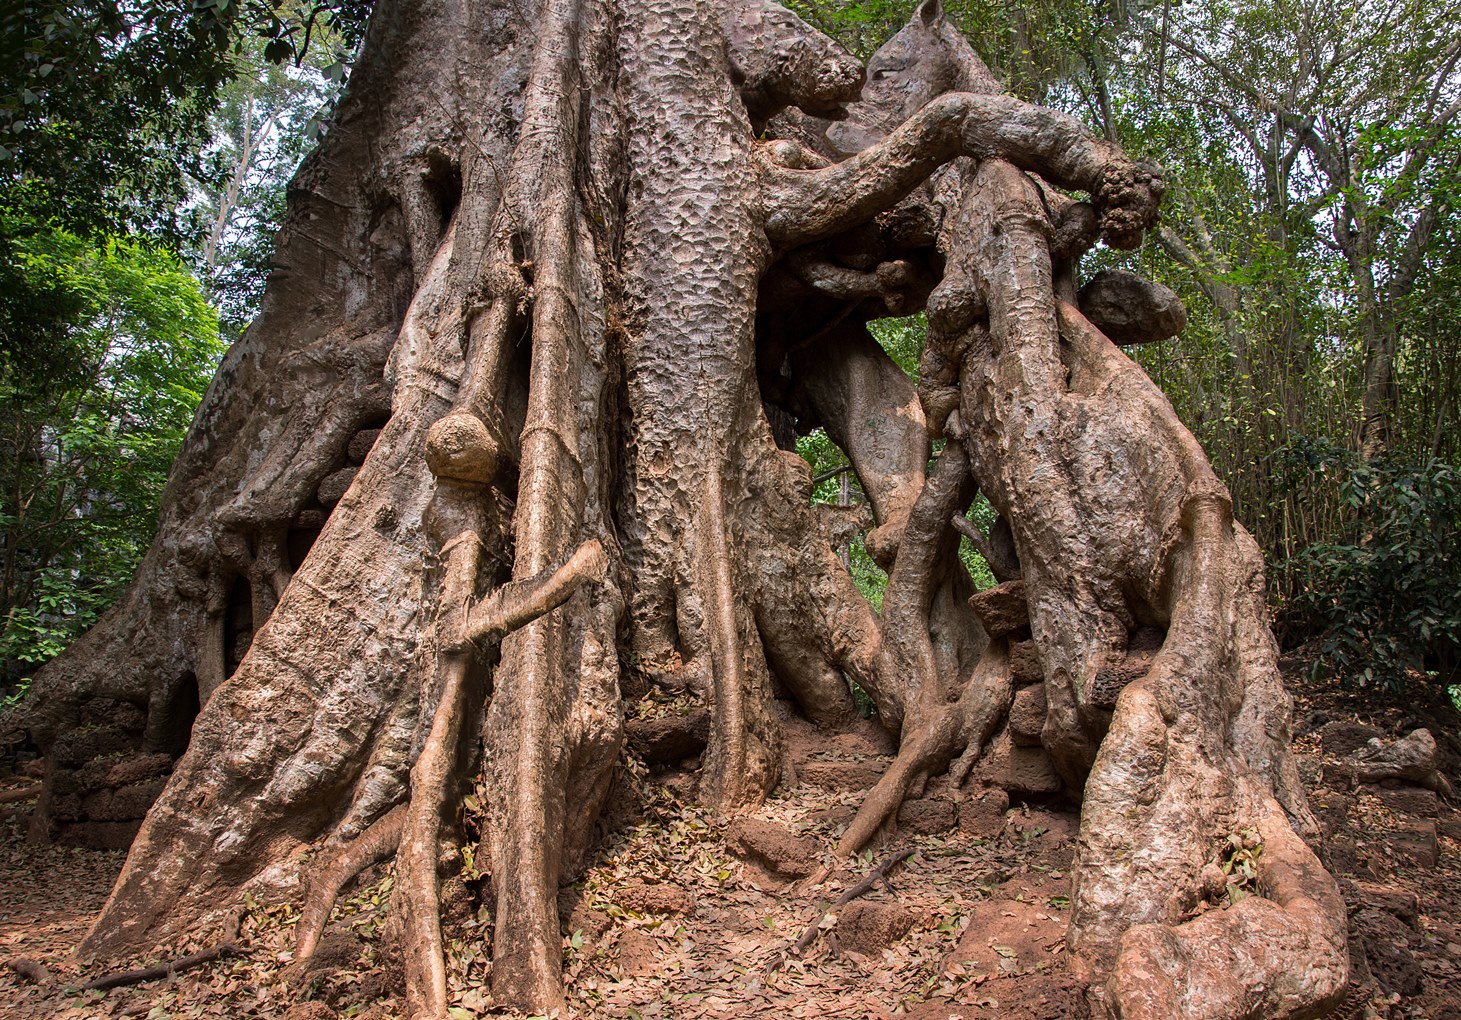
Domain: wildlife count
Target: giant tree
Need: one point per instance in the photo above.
(587, 265)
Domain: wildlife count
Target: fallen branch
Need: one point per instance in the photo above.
(871, 879)
(24, 793)
(137, 977)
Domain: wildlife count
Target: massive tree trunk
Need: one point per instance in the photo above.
(572, 259)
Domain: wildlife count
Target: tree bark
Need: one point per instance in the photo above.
(545, 252)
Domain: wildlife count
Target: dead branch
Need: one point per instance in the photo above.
(24, 793)
(871, 879)
(137, 977)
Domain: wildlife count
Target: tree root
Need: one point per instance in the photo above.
(24, 793)
(334, 869)
(32, 970)
(417, 860)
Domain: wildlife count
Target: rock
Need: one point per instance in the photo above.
(75, 748)
(841, 775)
(1339, 775)
(1417, 843)
(110, 712)
(869, 928)
(138, 768)
(655, 899)
(332, 488)
(774, 848)
(309, 520)
(1332, 810)
(361, 444)
(1388, 950)
(132, 802)
(1130, 309)
(1411, 758)
(99, 835)
(1023, 771)
(584, 919)
(982, 816)
(669, 738)
(1027, 715)
(1007, 936)
(1403, 903)
(638, 953)
(1025, 664)
(1345, 738)
(97, 807)
(927, 817)
(1002, 609)
(337, 950)
(1406, 800)
(313, 1010)
(1450, 828)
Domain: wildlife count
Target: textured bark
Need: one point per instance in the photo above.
(572, 260)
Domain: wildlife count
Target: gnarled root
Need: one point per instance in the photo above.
(333, 869)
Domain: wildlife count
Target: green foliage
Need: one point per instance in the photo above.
(87, 443)
(837, 484)
(267, 118)
(107, 103)
(1382, 592)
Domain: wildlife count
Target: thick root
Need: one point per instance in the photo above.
(335, 868)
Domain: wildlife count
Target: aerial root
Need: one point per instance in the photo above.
(336, 868)
(932, 738)
(511, 607)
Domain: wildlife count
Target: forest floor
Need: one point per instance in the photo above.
(684, 916)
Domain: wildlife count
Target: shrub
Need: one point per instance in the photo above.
(1382, 596)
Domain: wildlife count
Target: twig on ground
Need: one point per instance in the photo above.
(136, 977)
(871, 879)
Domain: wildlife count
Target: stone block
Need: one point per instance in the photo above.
(1002, 609)
(1416, 843)
(1406, 800)
(99, 835)
(841, 775)
(669, 738)
(774, 848)
(869, 928)
(927, 817)
(1022, 771)
(982, 815)
(1403, 903)
(1025, 664)
(1345, 738)
(361, 444)
(332, 488)
(1027, 715)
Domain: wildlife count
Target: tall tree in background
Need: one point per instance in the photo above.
(501, 452)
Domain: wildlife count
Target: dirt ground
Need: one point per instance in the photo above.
(684, 915)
